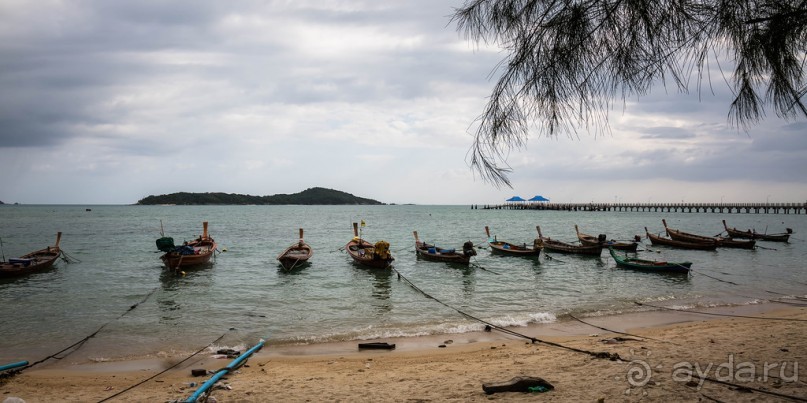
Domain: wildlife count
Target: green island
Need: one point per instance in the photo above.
(312, 196)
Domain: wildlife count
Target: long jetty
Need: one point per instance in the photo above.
(747, 208)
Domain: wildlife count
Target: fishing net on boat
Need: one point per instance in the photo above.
(381, 249)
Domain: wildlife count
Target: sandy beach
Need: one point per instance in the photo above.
(741, 357)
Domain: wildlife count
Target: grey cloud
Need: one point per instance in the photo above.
(796, 127)
(672, 133)
(782, 141)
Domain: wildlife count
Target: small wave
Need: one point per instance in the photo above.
(515, 321)
(372, 332)
(685, 307)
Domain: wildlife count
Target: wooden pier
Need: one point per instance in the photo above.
(730, 208)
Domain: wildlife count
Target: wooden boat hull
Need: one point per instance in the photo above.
(749, 234)
(659, 240)
(509, 248)
(623, 246)
(736, 243)
(435, 254)
(176, 260)
(295, 255)
(561, 247)
(721, 242)
(32, 262)
(650, 265)
(590, 240)
(194, 253)
(551, 245)
(363, 253)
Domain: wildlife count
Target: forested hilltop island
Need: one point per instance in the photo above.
(312, 196)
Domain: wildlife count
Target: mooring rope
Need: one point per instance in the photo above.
(757, 276)
(618, 332)
(167, 369)
(605, 355)
(477, 265)
(749, 388)
(719, 314)
(67, 258)
(548, 256)
(81, 342)
(714, 278)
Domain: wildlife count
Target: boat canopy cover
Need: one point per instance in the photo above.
(381, 249)
(166, 244)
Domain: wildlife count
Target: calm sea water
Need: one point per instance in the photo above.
(332, 299)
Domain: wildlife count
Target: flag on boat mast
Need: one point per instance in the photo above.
(362, 223)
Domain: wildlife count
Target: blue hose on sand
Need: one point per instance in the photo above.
(224, 371)
(13, 365)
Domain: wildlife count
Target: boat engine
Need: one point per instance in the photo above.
(468, 249)
(166, 244)
(601, 238)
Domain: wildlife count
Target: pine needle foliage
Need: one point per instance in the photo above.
(569, 60)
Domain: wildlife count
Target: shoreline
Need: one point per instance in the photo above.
(339, 371)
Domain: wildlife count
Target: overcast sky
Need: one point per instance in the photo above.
(107, 102)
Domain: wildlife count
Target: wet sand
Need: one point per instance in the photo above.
(655, 360)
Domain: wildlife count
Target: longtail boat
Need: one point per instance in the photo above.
(434, 253)
(721, 242)
(753, 234)
(551, 245)
(376, 255)
(191, 253)
(295, 255)
(509, 248)
(660, 240)
(32, 262)
(591, 240)
(650, 265)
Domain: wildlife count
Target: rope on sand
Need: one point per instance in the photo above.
(490, 326)
(749, 388)
(618, 332)
(167, 369)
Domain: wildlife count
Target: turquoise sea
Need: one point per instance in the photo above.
(116, 267)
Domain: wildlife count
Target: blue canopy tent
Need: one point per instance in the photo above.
(539, 198)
